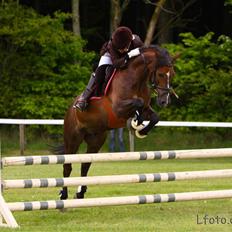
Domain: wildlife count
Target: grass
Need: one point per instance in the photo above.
(178, 216)
(181, 216)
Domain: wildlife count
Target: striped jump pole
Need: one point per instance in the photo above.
(122, 156)
(113, 201)
(116, 179)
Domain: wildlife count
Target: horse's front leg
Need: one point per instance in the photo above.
(149, 115)
(127, 108)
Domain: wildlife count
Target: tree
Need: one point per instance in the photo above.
(117, 9)
(76, 17)
(153, 22)
(167, 15)
(42, 65)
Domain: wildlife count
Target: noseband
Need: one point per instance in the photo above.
(155, 86)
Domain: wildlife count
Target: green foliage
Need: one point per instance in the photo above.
(43, 66)
(228, 4)
(203, 79)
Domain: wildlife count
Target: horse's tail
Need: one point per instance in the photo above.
(57, 149)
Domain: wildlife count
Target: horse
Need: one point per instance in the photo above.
(128, 96)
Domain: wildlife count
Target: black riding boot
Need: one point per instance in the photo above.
(102, 76)
(82, 101)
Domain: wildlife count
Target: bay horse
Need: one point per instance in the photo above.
(128, 95)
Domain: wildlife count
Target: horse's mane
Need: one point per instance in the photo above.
(164, 58)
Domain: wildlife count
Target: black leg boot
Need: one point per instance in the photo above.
(82, 101)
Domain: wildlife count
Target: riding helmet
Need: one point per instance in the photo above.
(122, 37)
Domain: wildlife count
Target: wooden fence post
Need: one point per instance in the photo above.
(131, 140)
(21, 139)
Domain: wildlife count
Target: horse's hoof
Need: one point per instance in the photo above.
(63, 195)
(138, 135)
(78, 196)
(134, 123)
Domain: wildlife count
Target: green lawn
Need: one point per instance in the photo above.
(177, 216)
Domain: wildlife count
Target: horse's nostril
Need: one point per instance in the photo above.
(163, 103)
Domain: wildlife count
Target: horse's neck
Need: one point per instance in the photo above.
(144, 67)
(135, 78)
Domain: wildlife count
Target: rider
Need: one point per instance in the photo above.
(114, 53)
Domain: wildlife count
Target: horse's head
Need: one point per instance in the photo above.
(162, 84)
(161, 73)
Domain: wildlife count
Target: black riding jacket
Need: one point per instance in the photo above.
(118, 59)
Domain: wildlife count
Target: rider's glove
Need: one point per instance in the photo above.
(134, 52)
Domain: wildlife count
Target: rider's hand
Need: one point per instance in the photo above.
(130, 54)
(134, 52)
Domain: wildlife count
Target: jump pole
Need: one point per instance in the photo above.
(113, 201)
(6, 217)
(116, 179)
(120, 156)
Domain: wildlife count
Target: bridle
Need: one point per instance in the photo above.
(154, 86)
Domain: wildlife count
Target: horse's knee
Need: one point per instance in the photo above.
(127, 108)
(138, 103)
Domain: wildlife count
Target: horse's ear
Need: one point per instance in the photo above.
(175, 57)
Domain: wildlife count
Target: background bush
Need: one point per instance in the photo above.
(203, 79)
(43, 66)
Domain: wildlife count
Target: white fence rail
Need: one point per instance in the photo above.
(161, 123)
(23, 122)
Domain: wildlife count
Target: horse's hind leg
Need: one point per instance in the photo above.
(82, 188)
(94, 144)
(67, 169)
(71, 146)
